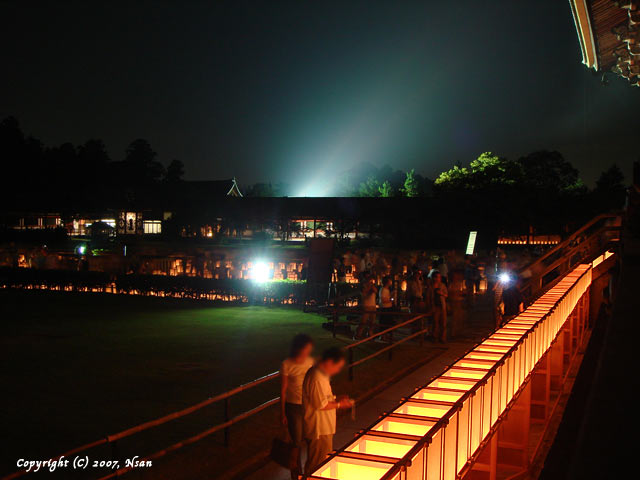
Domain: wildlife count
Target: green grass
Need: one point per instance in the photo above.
(78, 366)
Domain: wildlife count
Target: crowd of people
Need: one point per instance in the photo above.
(443, 286)
(415, 283)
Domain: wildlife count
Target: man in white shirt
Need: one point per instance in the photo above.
(319, 406)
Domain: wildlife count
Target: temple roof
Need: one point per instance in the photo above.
(609, 34)
(213, 188)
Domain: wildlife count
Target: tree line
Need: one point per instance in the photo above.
(76, 176)
(85, 176)
(364, 180)
(540, 172)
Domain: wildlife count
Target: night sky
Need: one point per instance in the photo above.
(295, 91)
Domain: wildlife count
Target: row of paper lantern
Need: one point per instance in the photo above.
(434, 433)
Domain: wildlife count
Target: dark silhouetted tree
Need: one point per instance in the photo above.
(93, 155)
(175, 171)
(140, 163)
(61, 175)
(140, 151)
(610, 191)
(549, 172)
(93, 162)
(21, 158)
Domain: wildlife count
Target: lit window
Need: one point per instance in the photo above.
(109, 221)
(152, 226)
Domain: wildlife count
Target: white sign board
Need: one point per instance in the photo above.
(471, 244)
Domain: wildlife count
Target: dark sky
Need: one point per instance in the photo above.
(298, 91)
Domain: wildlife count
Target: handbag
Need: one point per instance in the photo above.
(284, 453)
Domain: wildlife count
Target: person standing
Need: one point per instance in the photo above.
(381, 266)
(444, 269)
(468, 280)
(512, 301)
(342, 271)
(498, 306)
(319, 407)
(414, 289)
(385, 302)
(456, 301)
(292, 373)
(368, 303)
(440, 294)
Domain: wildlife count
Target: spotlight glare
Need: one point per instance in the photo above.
(260, 272)
(504, 277)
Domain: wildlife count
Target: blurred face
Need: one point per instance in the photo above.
(306, 351)
(332, 368)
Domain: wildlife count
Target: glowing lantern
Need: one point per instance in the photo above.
(425, 408)
(438, 394)
(435, 432)
(352, 468)
(381, 445)
(404, 425)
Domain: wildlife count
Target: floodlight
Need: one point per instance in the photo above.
(260, 271)
(504, 277)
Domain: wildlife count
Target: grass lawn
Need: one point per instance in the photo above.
(76, 367)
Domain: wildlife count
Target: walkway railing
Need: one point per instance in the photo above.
(226, 397)
(585, 243)
(437, 432)
(417, 322)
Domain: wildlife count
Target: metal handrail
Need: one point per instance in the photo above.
(566, 253)
(573, 236)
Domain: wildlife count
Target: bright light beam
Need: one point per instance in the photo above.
(260, 272)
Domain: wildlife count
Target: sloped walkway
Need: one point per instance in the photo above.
(478, 327)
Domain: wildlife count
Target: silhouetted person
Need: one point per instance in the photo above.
(440, 294)
(512, 301)
(342, 271)
(292, 373)
(385, 302)
(414, 292)
(320, 405)
(368, 303)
